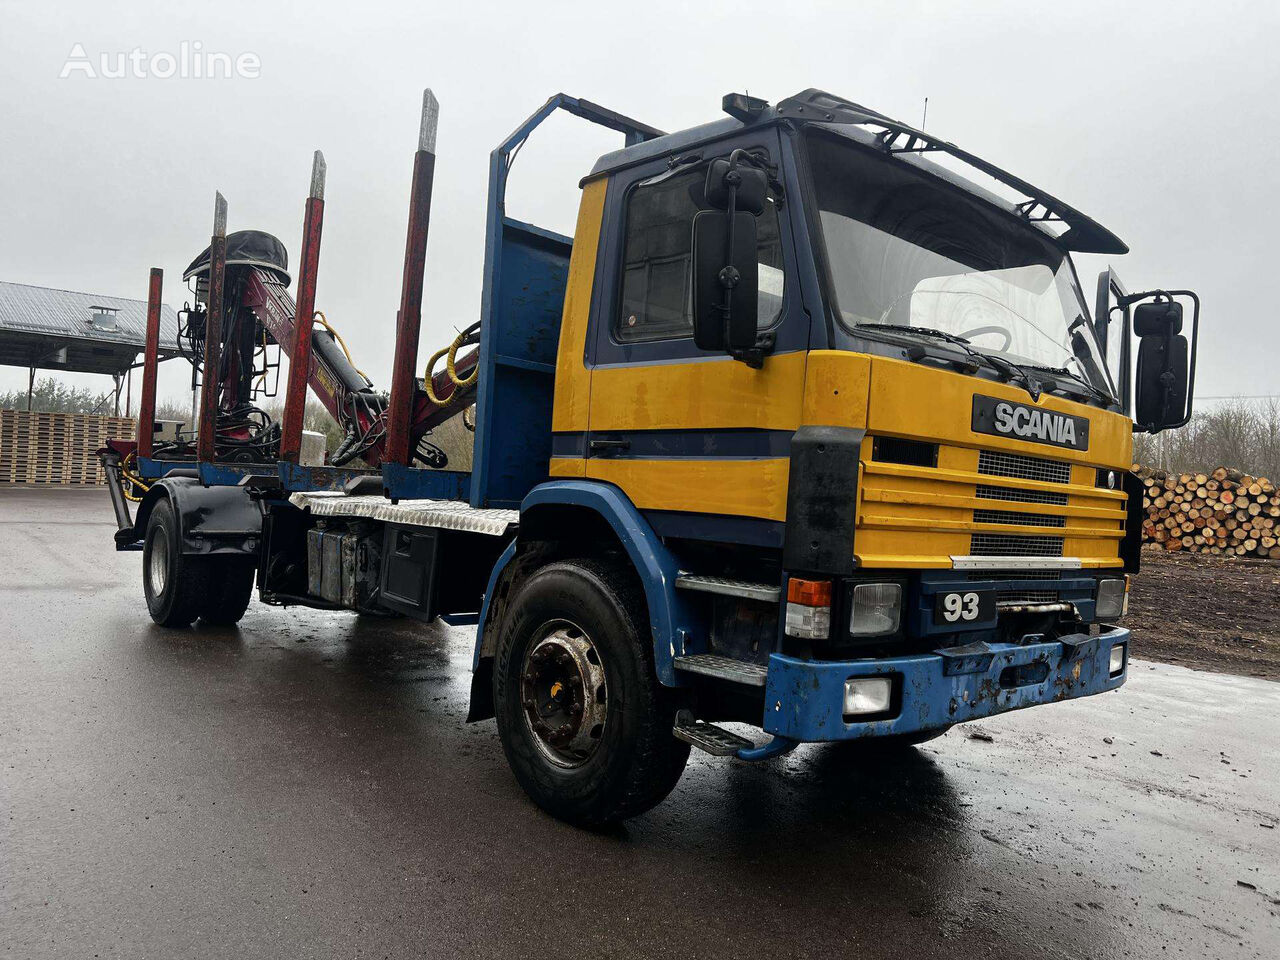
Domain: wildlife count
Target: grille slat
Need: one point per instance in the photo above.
(986, 491)
(1014, 575)
(1026, 596)
(1023, 467)
(1013, 518)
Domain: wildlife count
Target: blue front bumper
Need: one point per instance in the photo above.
(804, 699)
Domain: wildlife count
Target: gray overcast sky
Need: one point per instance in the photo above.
(1158, 119)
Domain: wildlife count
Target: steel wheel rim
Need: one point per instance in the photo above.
(563, 694)
(158, 565)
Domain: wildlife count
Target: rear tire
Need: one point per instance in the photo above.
(174, 584)
(230, 590)
(585, 724)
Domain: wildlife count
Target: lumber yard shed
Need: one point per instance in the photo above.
(42, 328)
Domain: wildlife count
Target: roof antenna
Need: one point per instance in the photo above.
(925, 115)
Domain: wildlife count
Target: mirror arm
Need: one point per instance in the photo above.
(752, 356)
(729, 276)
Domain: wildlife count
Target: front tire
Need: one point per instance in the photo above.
(584, 722)
(174, 584)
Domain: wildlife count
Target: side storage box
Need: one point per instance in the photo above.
(409, 570)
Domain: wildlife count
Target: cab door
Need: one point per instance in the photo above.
(696, 439)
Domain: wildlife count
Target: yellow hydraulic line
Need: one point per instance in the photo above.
(133, 478)
(450, 353)
(319, 316)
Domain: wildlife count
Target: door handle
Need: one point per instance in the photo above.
(606, 447)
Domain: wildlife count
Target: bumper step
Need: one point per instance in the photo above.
(729, 588)
(716, 741)
(723, 668)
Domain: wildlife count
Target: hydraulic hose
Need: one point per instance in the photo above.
(469, 336)
(132, 479)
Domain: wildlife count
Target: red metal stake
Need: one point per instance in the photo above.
(295, 397)
(409, 322)
(150, 360)
(210, 388)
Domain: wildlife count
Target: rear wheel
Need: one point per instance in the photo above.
(584, 722)
(230, 590)
(174, 584)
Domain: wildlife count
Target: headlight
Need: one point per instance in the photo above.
(865, 695)
(1116, 665)
(1113, 598)
(876, 609)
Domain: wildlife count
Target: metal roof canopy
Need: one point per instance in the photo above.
(48, 329)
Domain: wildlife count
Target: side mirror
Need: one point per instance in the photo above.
(725, 260)
(724, 318)
(1166, 366)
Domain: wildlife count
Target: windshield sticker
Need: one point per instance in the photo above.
(1004, 418)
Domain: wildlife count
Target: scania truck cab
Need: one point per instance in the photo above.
(802, 429)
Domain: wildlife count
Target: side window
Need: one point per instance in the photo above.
(657, 282)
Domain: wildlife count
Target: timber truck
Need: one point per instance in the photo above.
(808, 428)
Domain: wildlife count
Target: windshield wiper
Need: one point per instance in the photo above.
(1012, 372)
(1100, 395)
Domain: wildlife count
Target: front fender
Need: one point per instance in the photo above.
(670, 620)
(212, 520)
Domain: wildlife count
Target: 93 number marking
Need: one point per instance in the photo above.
(960, 606)
(971, 606)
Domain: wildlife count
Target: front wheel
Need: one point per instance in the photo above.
(584, 722)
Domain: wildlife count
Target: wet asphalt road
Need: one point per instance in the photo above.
(305, 786)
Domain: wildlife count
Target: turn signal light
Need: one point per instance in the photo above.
(811, 593)
(808, 615)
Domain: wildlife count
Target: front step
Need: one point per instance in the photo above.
(716, 741)
(729, 588)
(723, 668)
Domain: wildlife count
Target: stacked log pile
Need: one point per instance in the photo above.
(1226, 513)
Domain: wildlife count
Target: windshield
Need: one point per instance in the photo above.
(908, 250)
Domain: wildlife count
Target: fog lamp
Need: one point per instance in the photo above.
(1113, 598)
(864, 695)
(876, 609)
(1116, 666)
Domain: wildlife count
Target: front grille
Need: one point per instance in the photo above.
(1026, 596)
(986, 491)
(1015, 575)
(1007, 545)
(1026, 468)
(1019, 519)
